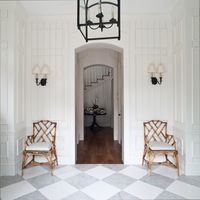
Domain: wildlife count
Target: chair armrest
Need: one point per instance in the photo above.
(29, 140)
(170, 139)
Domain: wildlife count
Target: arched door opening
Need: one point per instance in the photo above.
(99, 105)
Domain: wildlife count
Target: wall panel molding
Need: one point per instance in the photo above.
(195, 73)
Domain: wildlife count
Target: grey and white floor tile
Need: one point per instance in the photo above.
(115, 167)
(61, 172)
(78, 196)
(119, 180)
(8, 180)
(33, 195)
(100, 172)
(143, 190)
(168, 195)
(101, 190)
(43, 180)
(16, 190)
(99, 182)
(193, 180)
(134, 172)
(157, 180)
(123, 196)
(166, 171)
(184, 189)
(85, 167)
(34, 171)
(58, 190)
(81, 180)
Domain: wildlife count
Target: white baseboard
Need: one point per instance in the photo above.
(65, 160)
(7, 170)
(192, 169)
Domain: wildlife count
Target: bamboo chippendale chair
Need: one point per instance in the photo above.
(40, 147)
(159, 146)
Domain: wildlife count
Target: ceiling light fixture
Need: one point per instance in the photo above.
(99, 15)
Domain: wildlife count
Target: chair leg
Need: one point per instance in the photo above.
(177, 162)
(55, 154)
(150, 162)
(23, 162)
(143, 158)
(51, 162)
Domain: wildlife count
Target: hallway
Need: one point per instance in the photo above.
(99, 148)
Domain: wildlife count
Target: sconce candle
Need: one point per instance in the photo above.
(43, 72)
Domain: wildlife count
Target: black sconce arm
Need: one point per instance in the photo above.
(42, 81)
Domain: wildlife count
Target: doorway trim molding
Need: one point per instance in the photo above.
(117, 65)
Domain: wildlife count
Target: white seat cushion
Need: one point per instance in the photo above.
(160, 146)
(158, 158)
(39, 146)
(40, 159)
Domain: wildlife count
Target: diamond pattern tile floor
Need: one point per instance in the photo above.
(99, 182)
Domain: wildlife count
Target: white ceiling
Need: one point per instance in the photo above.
(58, 7)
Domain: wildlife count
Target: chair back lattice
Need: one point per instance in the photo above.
(44, 131)
(155, 130)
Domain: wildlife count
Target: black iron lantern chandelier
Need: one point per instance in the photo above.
(98, 19)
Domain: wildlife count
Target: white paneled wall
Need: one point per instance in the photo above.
(185, 27)
(150, 43)
(46, 44)
(7, 135)
(151, 46)
(102, 92)
(49, 42)
(179, 83)
(53, 40)
(20, 101)
(192, 62)
(12, 58)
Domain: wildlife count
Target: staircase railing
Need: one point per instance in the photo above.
(95, 75)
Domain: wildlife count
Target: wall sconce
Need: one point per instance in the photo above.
(40, 72)
(156, 73)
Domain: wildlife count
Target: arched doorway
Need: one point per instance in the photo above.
(100, 55)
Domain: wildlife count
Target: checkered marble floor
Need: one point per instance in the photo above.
(99, 182)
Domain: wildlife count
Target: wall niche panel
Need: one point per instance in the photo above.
(47, 48)
(151, 46)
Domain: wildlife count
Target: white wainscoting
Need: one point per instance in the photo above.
(13, 32)
(20, 101)
(7, 163)
(193, 93)
(52, 40)
(186, 83)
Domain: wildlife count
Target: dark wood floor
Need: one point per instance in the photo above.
(99, 148)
